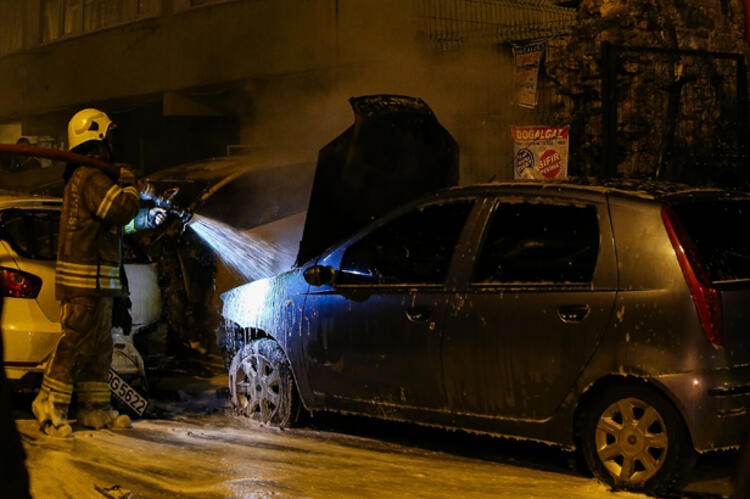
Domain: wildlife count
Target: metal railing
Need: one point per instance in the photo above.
(456, 23)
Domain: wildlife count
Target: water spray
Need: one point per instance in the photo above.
(248, 255)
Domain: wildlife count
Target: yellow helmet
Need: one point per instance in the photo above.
(88, 124)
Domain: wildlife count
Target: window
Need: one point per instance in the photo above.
(34, 233)
(73, 17)
(31, 233)
(51, 20)
(414, 248)
(11, 34)
(186, 4)
(62, 18)
(539, 243)
(717, 229)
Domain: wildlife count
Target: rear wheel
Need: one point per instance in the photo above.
(262, 386)
(633, 438)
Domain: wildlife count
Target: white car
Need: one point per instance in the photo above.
(30, 320)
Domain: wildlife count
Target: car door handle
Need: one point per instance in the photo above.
(573, 313)
(418, 314)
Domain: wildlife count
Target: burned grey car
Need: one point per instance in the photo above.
(609, 318)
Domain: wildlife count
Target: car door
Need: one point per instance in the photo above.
(537, 299)
(373, 336)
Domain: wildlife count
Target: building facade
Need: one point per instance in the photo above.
(189, 79)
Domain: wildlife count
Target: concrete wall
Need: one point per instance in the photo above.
(219, 74)
(198, 47)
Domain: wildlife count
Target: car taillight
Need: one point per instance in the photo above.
(707, 299)
(18, 284)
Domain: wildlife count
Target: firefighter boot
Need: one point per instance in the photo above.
(52, 416)
(94, 408)
(99, 416)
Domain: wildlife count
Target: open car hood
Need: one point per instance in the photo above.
(394, 152)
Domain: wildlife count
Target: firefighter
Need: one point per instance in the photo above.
(89, 274)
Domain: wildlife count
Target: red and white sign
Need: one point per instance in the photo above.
(540, 152)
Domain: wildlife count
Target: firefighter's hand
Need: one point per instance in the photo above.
(156, 216)
(146, 190)
(127, 177)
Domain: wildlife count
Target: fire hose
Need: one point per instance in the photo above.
(164, 201)
(60, 155)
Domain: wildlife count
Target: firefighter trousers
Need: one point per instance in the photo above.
(83, 354)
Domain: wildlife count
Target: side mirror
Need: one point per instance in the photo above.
(319, 275)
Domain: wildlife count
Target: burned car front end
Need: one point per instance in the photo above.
(374, 166)
(262, 320)
(266, 307)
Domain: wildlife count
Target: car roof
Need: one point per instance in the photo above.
(636, 188)
(215, 170)
(9, 199)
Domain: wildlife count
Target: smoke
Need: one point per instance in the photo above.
(380, 48)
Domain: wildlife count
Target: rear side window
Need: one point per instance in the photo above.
(34, 233)
(415, 248)
(539, 243)
(718, 230)
(31, 233)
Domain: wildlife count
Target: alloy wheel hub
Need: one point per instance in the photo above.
(631, 440)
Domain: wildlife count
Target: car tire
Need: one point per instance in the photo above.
(262, 386)
(633, 438)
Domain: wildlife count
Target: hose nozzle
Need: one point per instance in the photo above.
(166, 200)
(185, 215)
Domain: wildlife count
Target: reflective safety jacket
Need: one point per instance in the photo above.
(89, 250)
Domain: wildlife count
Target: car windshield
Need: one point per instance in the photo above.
(31, 233)
(416, 247)
(718, 230)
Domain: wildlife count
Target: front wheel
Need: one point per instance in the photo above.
(262, 386)
(633, 438)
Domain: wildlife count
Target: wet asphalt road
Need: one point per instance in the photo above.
(191, 446)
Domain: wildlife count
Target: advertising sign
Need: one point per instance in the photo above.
(540, 152)
(527, 59)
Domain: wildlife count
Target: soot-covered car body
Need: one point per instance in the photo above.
(610, 318)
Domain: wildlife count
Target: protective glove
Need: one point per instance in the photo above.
(156, 216)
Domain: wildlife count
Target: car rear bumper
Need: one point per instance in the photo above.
(28, 336)
(715, 406)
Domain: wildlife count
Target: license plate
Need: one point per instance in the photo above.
(126, 393)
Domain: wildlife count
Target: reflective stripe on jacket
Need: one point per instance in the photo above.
(89, 249)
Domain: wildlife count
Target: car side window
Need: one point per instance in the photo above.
(32, 233)
(539, 243)
(415, 248)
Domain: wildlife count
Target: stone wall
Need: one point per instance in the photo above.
(677, 113)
